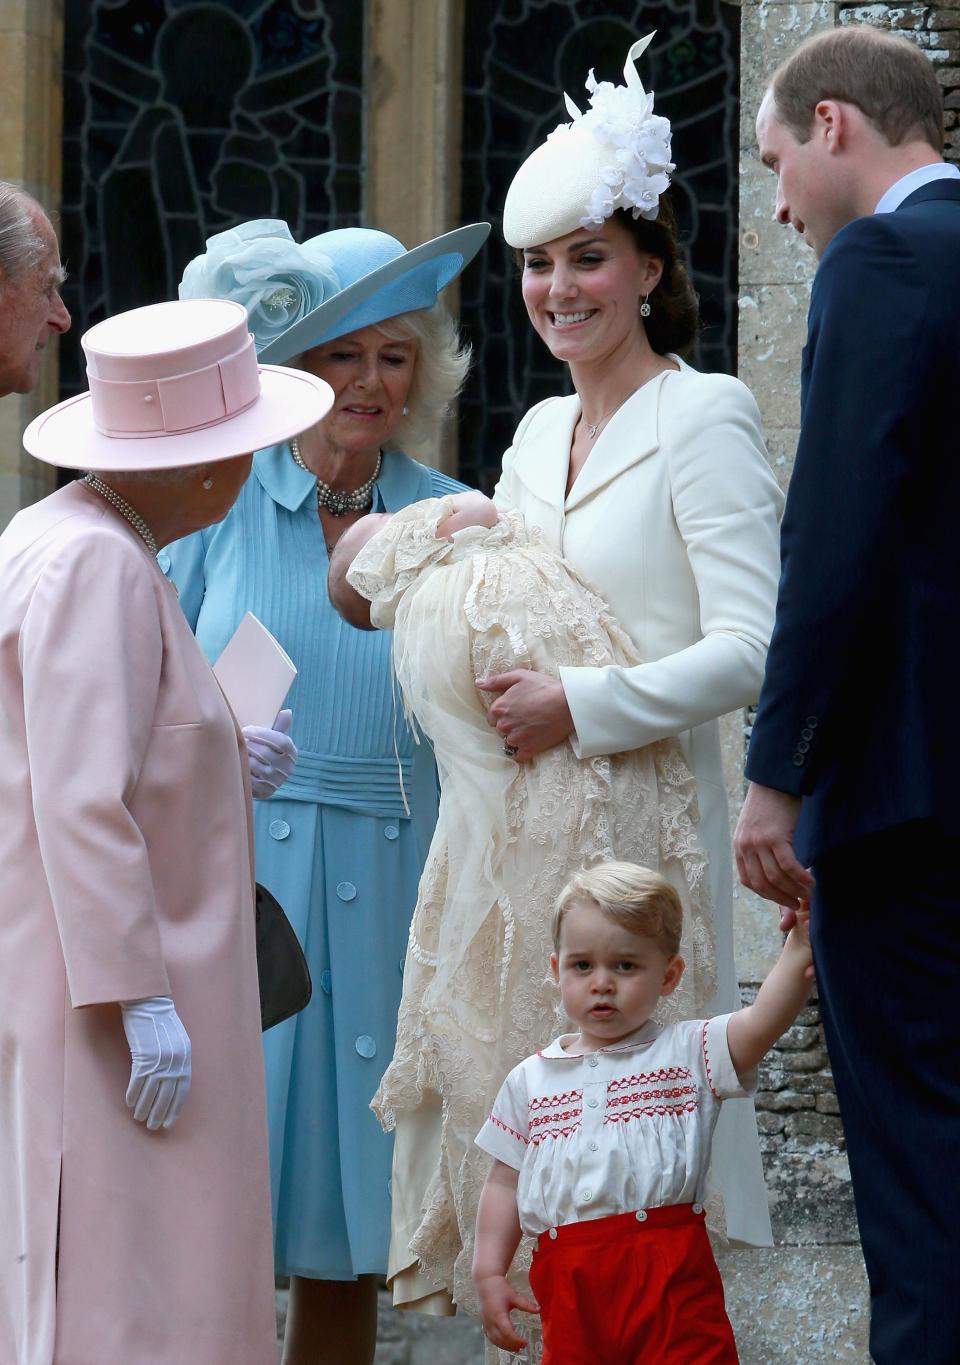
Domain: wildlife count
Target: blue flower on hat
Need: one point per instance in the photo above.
(259, 265)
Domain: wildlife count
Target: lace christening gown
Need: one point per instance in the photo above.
(477, 995)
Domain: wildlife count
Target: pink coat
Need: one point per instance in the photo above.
(125, 871)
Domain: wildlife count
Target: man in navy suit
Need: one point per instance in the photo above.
(854, 762)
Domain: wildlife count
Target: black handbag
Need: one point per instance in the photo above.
(285, 985)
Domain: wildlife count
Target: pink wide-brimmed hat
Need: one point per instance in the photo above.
(175, 384)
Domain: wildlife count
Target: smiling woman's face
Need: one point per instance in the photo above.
(583, 291)
(370, 376)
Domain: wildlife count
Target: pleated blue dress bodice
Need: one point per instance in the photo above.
(335, 845)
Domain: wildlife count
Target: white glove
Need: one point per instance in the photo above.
(271, 753)
(160, 1049)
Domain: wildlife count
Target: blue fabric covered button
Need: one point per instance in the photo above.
(325, 982)
(366, 1046)
(346, 891)
(279, 829)
(391, 832)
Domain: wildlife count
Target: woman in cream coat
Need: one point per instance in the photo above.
(134, 1181)
(652, 481)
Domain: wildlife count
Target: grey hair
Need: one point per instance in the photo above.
(161, 477)
(21, 246)
(441, 367)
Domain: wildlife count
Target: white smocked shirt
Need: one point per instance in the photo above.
(619, 1130)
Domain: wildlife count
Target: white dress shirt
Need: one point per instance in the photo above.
(619, 1130)
(905, 186)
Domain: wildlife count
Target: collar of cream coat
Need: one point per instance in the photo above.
(632, 434)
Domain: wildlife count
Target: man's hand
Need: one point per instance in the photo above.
(530, 712)
(763, 845)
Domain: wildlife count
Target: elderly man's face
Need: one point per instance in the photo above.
(31, 312)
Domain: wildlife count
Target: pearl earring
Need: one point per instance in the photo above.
(645, 309)
(406, 410)
(208, 484)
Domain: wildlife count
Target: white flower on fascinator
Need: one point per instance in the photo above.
(621, 121)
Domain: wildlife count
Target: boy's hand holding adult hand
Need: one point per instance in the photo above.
(497, 1298)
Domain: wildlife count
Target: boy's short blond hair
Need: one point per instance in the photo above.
(637, 898)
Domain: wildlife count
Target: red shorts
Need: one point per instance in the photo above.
(620, 1290)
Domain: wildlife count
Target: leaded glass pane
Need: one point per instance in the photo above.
(519, 56)
(182, 119)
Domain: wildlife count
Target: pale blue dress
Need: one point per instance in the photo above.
(335, 846)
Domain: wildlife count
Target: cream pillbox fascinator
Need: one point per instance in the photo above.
(175, 384)
(301, 295)
(616, 155)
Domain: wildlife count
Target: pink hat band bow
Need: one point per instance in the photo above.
(216, 378)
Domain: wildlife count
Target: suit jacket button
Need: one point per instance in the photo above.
(806, 733)
(803, 747)
(798, 760)
(811, 721)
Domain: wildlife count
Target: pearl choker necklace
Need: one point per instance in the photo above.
(334, 499)
(114, 499)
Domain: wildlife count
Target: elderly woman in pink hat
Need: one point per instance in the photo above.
(134, 1183)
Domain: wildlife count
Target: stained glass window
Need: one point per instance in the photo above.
(184, 118)
(520, 55)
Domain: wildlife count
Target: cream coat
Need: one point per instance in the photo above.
(674, 520)
(125, 849)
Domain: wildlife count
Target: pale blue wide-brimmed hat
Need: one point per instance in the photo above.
(300, 296)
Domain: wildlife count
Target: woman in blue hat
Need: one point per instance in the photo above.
(343, 845)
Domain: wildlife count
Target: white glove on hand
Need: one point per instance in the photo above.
(160, 1049)
(271, 753)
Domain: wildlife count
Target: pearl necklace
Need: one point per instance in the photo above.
(114, 499)
(338, 502)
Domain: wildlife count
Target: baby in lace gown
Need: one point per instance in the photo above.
(470, 592)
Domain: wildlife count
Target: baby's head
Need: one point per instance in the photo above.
(616, 938)
(352, 606)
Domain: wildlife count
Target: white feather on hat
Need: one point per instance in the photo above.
(616, 155)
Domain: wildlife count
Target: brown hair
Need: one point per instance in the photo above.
(674, 307)
(889, 80)
(634, 897)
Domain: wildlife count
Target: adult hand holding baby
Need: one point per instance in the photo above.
(530, 711)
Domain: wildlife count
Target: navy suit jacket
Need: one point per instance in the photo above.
(859, 708)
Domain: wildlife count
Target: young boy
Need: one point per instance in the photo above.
(601, 1141)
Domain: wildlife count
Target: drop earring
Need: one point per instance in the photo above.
(645, 309)
(208, 484)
